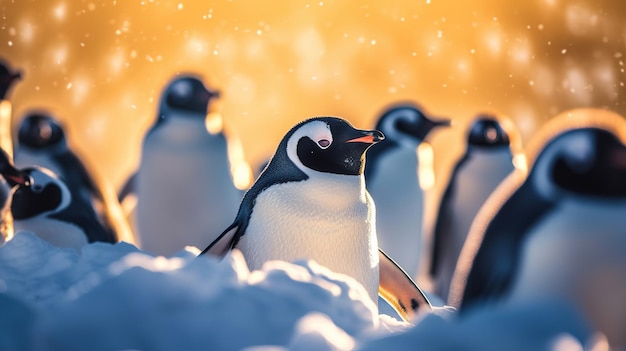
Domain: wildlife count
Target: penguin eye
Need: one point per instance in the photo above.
(491, 134)
(323, 143)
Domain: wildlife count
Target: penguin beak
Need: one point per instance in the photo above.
(17, 75)
(370, 137)
(14, 177)
(442, 123)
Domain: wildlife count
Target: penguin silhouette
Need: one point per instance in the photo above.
(42, 203)
(391, 175)
(556, 232)
(487, 160)
(310, 202)
(42, 142)
(8, 78)
(184, 188)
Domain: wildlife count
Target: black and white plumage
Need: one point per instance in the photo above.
(183, 187)
(310, 202)
(558, 231)
(8, 78)
(392, 178)
(42, 203)
(487, 160)
(42, 142)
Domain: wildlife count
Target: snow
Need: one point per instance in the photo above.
(117, 297)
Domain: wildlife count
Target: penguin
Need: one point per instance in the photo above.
(41, 141)
(391, 176)
(42, 203)
(8, 78)
(487, 160)
(183, 186)
(310, 202)
(558, 230)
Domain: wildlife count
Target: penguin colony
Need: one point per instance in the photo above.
(351, 199)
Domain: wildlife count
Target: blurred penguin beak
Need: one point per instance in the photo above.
(15, 177)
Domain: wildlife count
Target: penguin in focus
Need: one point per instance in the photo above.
(8, 78)
(41, 141)
(183, 187)
(558, 231)
(43, 204)
(487, 160)
(310, 202)
(392, 178)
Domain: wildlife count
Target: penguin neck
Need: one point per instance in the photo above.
(339, 191)
(55, 149)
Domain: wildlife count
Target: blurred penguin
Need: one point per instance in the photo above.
(45, 205)
(487, 160)
(558, 231)
(391, 176)
(183, 187)
(42, 142)
(8, 78)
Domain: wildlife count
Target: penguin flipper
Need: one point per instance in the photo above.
(224, 243)
(398, 289)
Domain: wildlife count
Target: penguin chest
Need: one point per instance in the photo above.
(56, 232)
(578, 253)
(295, 221)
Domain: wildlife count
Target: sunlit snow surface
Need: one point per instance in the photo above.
(116, 297)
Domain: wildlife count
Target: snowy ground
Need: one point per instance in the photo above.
(116, 297)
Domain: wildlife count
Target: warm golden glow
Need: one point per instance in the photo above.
(101, 66)
(213, 122)
(426, 169)
(240, 169)
(519, 161)
(6, 141)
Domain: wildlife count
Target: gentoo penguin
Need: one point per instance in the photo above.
(183, 186)
(391, 175)
(8, 78)
(43, 204)
(310, 202)
(487, 160)
(41, 141)
(557, 232)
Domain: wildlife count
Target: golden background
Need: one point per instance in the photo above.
(100, 66)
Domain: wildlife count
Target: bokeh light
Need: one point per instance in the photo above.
(99, 66)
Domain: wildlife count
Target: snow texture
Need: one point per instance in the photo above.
(117, 297)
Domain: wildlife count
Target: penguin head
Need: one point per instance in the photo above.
(486, 131)
(43, 194)
(188, 94)
(7, 78)
(329, 145)
(407, 121)
(39, 130)
(585, 161)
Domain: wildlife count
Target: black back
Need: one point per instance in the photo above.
(588, 162)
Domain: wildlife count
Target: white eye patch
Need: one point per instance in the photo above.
(318, 131)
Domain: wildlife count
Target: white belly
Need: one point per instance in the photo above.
(578, 253)
(185, 192)
(307, 220)
(57, 233)
(399, 207)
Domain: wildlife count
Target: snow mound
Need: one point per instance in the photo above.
(112, 297)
